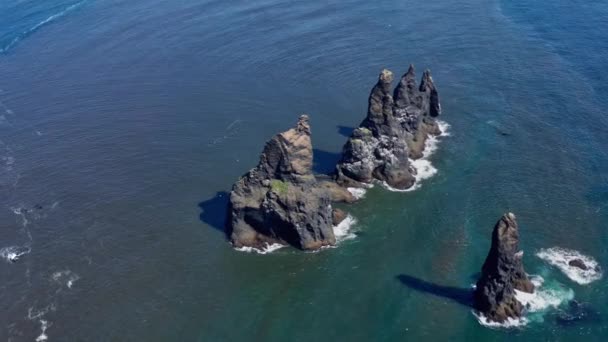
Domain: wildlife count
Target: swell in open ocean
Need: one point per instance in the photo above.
(20, 35)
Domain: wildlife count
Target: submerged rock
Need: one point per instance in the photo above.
(395, 129)
(578, 263)
(502, 273)
(280, 200)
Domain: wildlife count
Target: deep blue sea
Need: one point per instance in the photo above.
(124, 124)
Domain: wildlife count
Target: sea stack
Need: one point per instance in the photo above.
(417, 107)
(397, 124)
(502, 273)
(280, 200)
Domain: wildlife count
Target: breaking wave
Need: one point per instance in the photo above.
(269, 248)
(545, 297)
(509, 323)
(423, 166)
(358, 193)
(562, 257)
(343, 231)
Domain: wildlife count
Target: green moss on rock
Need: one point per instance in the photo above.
(279, 187)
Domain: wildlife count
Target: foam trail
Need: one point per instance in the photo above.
(39, 316)
(231, 130)
(36, 27)
(561, 258)
(269, 248)
(43, 326)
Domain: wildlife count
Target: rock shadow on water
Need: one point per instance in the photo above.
(214, 211)
(463, 296)
(325, 162)
(345, 131)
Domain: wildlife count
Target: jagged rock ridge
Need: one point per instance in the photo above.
(395, 129)
(280, 200)
(502, 273)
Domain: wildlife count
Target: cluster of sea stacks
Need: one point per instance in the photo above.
(282, 201)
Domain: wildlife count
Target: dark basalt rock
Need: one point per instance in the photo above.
(280, 199)
(397, 125)
(502, 273)
(417, 108)
(377, 149)
(578, 263)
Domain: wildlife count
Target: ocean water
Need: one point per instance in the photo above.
(123, 125)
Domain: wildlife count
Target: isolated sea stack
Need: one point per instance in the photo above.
(395, 130)
(502, 273)
(280, 200)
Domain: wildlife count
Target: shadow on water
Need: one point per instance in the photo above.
(215, 210)
(475, 277)
(462, 296)
(345, 130)
(324, 162)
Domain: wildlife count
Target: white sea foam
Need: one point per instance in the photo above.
(44, 324)
(509, 323)
(13, 253)
(560, 258)
(67, 277)
(269, 248)
(423, 166)
(343, 231)
(39, 316)
(358, 193)
(444, 127)
(543, 298)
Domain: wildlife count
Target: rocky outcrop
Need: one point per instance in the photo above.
(502, 273)
(396, 126)
(417, 107)
(280, 200)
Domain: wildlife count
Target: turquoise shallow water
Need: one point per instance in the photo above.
(126, 121)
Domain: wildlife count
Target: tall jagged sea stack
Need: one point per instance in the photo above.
(395, 129)
(280, 200)
(502, 273)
